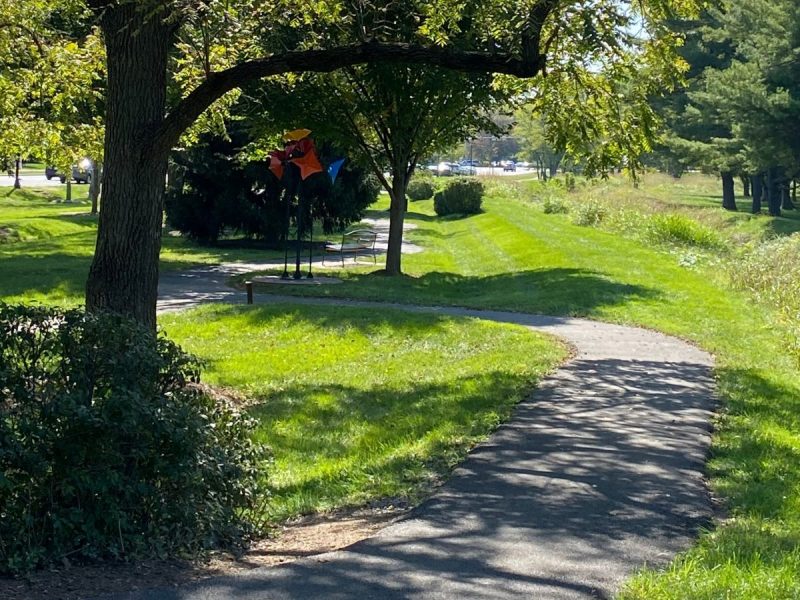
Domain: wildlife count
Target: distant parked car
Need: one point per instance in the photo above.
(510, 166)
(50, 172)
(81, 173)
(464, 169)
(444, 169)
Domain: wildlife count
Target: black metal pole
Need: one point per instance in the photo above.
(310, 240)
(297, 274)
(288, 199)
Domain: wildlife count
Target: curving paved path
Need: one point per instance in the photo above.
(599, 473)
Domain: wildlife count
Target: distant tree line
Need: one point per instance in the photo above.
(739, 113)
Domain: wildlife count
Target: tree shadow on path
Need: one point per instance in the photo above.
(598, 474)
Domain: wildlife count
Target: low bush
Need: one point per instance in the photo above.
(673, 228)
(589, 213)
(552, 205)
(461, 196)
(109, 449)
(420, 189)
(8, 235)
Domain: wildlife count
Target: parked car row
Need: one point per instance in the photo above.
(81, 172)
(444, 169)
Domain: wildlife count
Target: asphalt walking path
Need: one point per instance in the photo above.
(598, 473)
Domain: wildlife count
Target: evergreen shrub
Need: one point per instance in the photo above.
(108, 447)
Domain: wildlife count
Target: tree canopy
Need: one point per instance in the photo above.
(171, 63)
(740, 110)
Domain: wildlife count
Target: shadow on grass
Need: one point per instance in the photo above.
(336, 319)
(556, 291)
(787, 224)
(757, 460)
(417, 216)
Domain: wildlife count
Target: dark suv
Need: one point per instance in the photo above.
(81, 173)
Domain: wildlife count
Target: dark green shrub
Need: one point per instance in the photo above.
(420, 189)
(109, 449)
(218, 191)
(553, 205)
(461, 196)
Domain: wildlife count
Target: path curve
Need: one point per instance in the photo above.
(598, 473)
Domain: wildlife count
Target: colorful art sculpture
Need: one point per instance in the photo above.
(299, 150)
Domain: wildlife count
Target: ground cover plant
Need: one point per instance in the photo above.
(362, 406)
(515, 257)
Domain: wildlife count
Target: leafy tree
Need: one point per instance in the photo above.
(203, 49)
(51, 73)
(389, 116)
(530, 131)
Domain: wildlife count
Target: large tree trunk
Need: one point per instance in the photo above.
(397, 216)
(124, 273)
(758, 192)
(728, 194)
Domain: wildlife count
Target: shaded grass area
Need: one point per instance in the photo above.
(361, 406)
(46, 246)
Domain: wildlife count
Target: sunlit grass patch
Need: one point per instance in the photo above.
(364, 404)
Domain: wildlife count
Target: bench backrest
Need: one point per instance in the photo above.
(362, 237)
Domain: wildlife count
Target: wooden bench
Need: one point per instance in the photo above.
(356, 242)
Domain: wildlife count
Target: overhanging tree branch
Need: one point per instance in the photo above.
(322, 61)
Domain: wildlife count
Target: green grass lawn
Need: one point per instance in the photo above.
(46, 246)
(359, 405)
(515, 257)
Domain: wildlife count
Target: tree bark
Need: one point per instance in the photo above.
(728, 194)
(773, 191)
(94, 185)
(123, 276)
(786, 196)
(758, 192)
(397, 216)
(745, 185)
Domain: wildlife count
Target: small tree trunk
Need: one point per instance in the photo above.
(554, 163)
(786, 197)
(758, 191)
(94, 185)
(728, 194)
(773, 191)
(17, 182)
(745, 185)
(123, 276)
(397, 216)
(68, 199)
